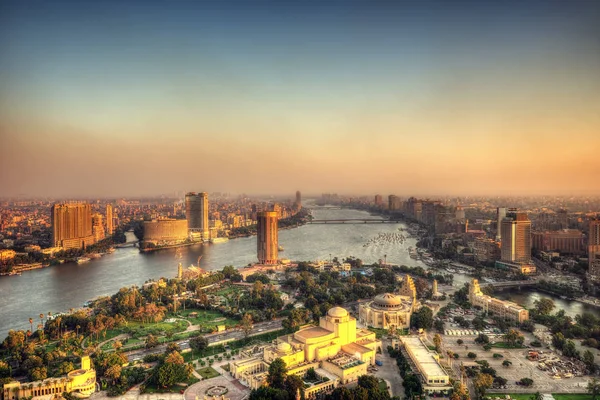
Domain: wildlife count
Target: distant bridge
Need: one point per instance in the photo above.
(512, 284)
(128, 244)
(354, 221)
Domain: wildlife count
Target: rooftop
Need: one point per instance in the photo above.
(314, 332)
(423, 356)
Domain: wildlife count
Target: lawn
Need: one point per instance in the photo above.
(208, 318)
(208, 372)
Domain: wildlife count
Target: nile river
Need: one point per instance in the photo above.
(66, 286)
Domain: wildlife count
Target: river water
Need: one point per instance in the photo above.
(66, 286)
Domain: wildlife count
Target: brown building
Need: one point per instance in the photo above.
(378, 200)
(267, 238)
(394, 203)
(196, 213)
(566, 241)
(486, 250)
(594, 249)
(165, 231)
(516, 239)
(298, 200)
(109, 220)
(72, 225)
(97, 227)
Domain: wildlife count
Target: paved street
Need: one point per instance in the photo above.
(389, 371)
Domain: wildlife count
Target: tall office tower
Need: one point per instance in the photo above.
(594, 249)
(563, 218)
(109, 220)
(97, 227)
(298, 200)
(267, 239)
(500, 215)
(378, 200)
(516, 239)
(394, 203)
(72, 225)
(196, 213)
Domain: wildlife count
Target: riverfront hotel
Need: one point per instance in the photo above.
(72, 225)
(335, 349)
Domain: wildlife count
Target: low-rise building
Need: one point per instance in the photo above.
(390, 310)
(503, 308)
(81, 383)
(336, 349)
(426, 365)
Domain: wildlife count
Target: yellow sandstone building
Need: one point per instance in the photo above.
(503, 308)
(390, 310)
(336, 349)
(80, 382)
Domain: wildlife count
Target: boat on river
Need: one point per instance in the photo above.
(82, 260)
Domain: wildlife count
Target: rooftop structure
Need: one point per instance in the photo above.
(426, 363)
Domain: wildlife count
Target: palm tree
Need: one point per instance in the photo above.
(41, 319)
(31, 323)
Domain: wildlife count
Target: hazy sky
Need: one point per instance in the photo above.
(109, 98)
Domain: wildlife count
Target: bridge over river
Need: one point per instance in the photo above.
(355, 221)
(511, 284)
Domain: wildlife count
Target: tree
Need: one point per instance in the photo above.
(247, 324)
(151, 341)
(558, 340)
(526, 381)
(506, 363)
(513, 338)
(437, 341)
(276, 375)
(38, 374)
(459, 341)
(439, 325)
(422, 319)
(471, 355)
(293, 385)
(536, 396)
(544, 306)
(482, 339)
(588, 359)
(482, 383)
(368, 382)
(198, 343)
(593, 388)
(569, 350)
(113, 373)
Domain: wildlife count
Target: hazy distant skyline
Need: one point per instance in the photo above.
(131, 98)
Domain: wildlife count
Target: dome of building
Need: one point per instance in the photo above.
(337, 312)
(388, 300)
(284, 347)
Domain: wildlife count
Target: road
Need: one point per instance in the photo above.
(231, 334)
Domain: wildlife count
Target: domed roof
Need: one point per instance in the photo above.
(284, 347)
(388, 299)
(337, 312)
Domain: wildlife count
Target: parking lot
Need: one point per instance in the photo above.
(521, 368)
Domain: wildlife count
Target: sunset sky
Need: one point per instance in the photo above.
(124, 98)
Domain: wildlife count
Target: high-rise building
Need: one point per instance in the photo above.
(97, 227)
(109, 220)
(196, 213)
(562, 217)
(72, 225)
(516, 239)
(594, 249)
(500, 215)
(267, 238)
(378, 200)
(394, 203)
(298, 200)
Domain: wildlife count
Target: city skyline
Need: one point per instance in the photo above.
(141, 98)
